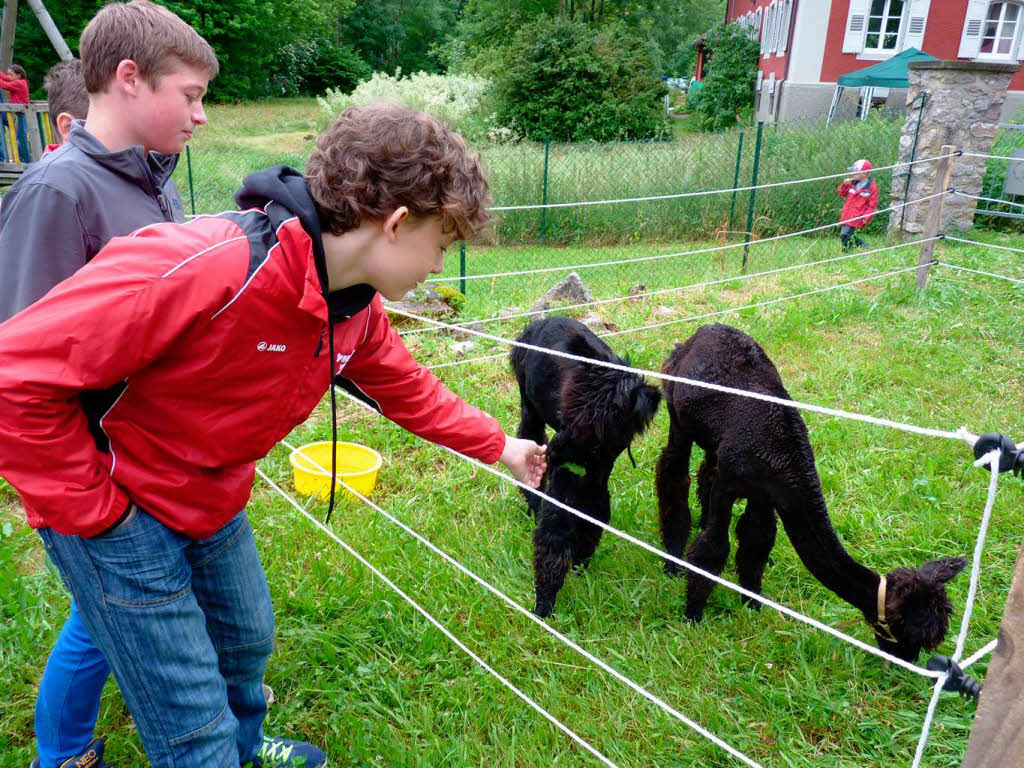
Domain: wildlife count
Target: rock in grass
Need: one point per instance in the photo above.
(461, 348)
(571, 290)
(597, 322)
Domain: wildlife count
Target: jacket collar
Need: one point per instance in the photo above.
(153, 168)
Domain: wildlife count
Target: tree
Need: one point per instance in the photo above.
(728, 90)
(571, 82)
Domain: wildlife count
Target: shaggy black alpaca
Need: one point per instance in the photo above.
(760, 452)
(596, 412)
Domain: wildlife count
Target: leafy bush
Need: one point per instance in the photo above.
(572, 82)
(460, 100)
(728, 93)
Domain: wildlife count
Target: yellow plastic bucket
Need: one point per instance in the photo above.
(357, 468)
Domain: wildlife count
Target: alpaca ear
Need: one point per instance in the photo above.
(578, 344)
(943, 569)
(646, 400)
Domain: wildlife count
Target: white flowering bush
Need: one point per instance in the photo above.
(462, 101)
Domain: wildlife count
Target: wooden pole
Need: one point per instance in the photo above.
(997, 736)
(46, 22)
(35, 141)
(7, 33)
(943, 173)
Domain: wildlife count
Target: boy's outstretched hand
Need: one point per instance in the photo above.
(525, 459)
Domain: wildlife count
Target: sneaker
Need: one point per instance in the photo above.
(285, 753)
(268, 694)
(90, 757)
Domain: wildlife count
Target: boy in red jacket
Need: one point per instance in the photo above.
(860, 196)
(225, 333)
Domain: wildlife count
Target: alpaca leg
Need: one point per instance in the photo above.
(705, 479)
(588, 535)
(673, 488)
(755, 534)
(552, 556)
(709, 550)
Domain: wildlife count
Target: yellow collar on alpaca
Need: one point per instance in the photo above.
(881, 624)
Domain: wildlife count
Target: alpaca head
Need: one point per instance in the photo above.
(602, 409)
(917, 608)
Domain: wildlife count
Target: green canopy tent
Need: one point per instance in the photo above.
(891, 73)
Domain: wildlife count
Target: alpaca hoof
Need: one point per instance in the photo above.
(694, 617)
(673, 569)
(543, 610)
(754, 605)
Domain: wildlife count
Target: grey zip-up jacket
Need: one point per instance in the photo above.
(66, 207)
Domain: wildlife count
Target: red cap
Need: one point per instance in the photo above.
(861, 165)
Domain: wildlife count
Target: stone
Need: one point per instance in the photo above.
(594, 321)
(571, 290)
(506, 311)
(462, 347)
(667, 311)
(635, 292)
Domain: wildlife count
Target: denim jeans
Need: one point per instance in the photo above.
(69, 694)
(186, 626)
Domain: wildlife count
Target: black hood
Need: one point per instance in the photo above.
(287, 187)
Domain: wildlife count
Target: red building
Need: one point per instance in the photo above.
(807, 44)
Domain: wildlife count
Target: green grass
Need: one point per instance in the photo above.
(359, 672)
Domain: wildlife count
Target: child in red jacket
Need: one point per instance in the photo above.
(860, 195)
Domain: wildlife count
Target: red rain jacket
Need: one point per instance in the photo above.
(858, 202)
(18, 88)
(218, 329)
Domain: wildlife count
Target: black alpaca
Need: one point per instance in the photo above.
(760, 452)
(596, 412)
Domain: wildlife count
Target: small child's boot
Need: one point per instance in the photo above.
(285, 753)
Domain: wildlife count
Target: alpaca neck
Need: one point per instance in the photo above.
(805, 518)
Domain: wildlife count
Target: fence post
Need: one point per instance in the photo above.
(544, 190)
(736, 179)
(943, 172)
(35, 141)
(997, 740)
(191, 191)
(462, 268)
(753, 192)
(913, 156)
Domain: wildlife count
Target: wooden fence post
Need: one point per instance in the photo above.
(943, 173)
(997, 736)
(7, 33)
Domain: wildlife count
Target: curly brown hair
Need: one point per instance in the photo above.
(374, 159)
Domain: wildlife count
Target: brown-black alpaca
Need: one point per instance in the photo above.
(595, 412)
(760, 452)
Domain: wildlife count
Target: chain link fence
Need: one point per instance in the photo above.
(1007, 214)
(558, 240)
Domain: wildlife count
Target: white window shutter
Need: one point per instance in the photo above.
(762, 28)
(916, 21)
(777, 33)
(856, 26)
(760, 78)
(974, 28)
(786, 19)
(769, 28)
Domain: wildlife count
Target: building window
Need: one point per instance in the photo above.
(1000, 31)
(884, 25)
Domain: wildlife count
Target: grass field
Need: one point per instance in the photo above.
(359, 672)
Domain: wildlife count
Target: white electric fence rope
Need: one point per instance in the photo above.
(960, 434)
(662, 291)
(992, 157)
(992, 459)
(680, 562)
(987, 199)
(551, 718)
(701, 193)
(542, 624)
(638, 259)
(985, 245)
(957, 267)
(700, 316)
(980, 654)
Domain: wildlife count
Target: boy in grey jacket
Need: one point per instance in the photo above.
(146, 72)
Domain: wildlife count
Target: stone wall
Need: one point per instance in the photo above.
(963, 108)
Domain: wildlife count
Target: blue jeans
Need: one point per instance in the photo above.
(69, 694)
(186, 626)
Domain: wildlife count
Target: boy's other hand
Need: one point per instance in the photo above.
(525, 460)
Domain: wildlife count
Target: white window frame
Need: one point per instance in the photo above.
(878, 51)
(1015, 42)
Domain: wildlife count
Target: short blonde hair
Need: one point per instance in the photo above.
(150, 35)
(375, 159)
